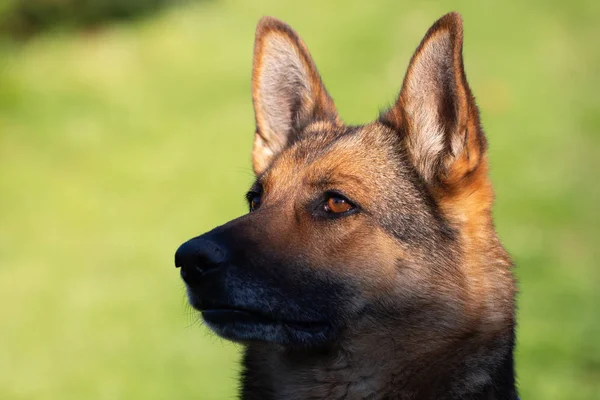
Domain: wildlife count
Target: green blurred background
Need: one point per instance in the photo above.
(122, 135)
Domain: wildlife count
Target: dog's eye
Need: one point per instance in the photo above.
(254, 199)
(337, 205)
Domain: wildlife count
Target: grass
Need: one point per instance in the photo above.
(118, 145)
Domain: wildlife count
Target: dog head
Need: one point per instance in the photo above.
(380, 227)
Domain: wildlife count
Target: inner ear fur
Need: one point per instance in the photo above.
(287, 91)
(436, 111)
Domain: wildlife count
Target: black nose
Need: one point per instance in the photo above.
(197, 256)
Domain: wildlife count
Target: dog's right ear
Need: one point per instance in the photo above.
(436, 111)
(287, 91)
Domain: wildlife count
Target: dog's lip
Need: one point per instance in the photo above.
(234, 315)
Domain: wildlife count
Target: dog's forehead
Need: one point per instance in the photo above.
(331, 154)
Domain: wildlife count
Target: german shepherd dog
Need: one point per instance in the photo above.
(368, 266)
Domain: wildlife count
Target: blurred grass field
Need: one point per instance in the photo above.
(118, 144)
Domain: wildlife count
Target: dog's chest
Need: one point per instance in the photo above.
(336, 381)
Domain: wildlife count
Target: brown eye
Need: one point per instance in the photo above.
(255, 202)
(337, 205)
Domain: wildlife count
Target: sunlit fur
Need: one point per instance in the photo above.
(413, 289)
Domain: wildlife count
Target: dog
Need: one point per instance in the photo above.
(368, 266)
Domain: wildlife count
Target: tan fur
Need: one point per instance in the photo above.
(451, 159)
(413, 286)
(283, 75)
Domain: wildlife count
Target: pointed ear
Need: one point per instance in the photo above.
(436, 111)
(287, 91)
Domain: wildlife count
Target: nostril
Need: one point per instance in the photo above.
(213, 253)
(197, 256)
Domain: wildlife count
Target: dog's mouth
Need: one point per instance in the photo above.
(244, 325)
(243, 317)
(228, 316)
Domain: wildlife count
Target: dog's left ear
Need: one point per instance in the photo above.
(287, 91)
(435, 111)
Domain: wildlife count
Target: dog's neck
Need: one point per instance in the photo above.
(473, 367)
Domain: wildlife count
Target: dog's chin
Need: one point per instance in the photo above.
(245, 326)
(249, 324)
